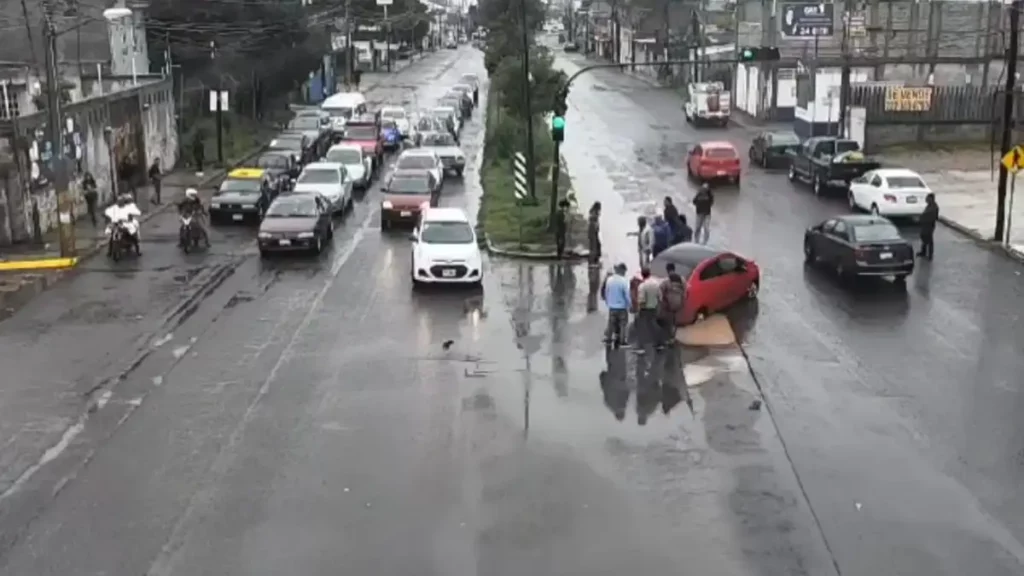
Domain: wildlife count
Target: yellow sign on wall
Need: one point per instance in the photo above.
(903, 99)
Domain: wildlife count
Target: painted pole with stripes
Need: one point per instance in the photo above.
(521, 188)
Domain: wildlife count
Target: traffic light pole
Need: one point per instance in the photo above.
(1008, 121)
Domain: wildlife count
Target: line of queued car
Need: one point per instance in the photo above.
(445, 249)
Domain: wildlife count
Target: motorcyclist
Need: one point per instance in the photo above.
(126, 214)
(192, 206)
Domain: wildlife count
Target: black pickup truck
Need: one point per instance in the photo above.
(828, 163)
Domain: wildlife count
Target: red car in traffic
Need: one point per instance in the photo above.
(715, 279)
(367, 134)
(713, 161)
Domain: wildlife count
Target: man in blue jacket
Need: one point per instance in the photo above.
(662, 235)
(616, 297)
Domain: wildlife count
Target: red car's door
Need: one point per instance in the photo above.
(715, 288)
(693, 160)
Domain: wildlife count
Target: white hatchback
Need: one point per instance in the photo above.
(889, 192)
(445, 250)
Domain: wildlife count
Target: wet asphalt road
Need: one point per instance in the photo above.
(898, 411)
(215, 414)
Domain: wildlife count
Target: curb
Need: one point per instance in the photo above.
(976, 236)
(11, 301)
(571, 255)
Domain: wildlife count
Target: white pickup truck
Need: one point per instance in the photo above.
(708, 103)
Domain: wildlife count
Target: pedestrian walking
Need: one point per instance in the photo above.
(648, 297)
(154, 178)
(929, 219)
(594, 233)
(91, 196)
(357, 77)
(672, 299)
(616, 297)
(662, 236)
(561, 227)
(702, 204)
(198, 151)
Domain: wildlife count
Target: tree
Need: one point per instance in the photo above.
(211, 40)
(507, 81)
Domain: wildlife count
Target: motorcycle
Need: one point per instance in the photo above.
(121, 242)
(189, 234)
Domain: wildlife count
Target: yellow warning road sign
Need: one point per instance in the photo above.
(1014, 160)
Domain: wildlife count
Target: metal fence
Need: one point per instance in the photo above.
(935, 105)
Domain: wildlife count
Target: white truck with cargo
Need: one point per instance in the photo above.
(708, 104)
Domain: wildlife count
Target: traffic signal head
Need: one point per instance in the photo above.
(558, 129)
(759, 54)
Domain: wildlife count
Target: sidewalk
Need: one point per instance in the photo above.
(967, 203)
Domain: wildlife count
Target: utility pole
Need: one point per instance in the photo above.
(1009, 99)
(220, 112)
(530, 165)
(844, 76)
(348, 43)
(387, 36)
(698, 41)
(53, 120)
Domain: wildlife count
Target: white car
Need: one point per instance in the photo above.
(454, 114)
(445, 250)
(889, 192)
(422, 159)
(357, 163)
(328, 179)
(400, 117)
(444, 145)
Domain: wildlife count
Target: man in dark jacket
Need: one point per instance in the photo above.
(662, 236)
(675, 222)
(929, 218)
(594, 233)
(561, 227)
(702, 204)
(154, 179)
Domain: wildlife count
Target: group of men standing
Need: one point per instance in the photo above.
(659, 304)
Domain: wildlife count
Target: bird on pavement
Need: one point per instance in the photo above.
(447, 345)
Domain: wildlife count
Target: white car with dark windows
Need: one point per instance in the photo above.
(447, 149)
(327, 179)
(422, 159)
(889, 192)
(445, 249)
(357, 163)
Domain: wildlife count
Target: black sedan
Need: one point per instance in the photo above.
(280, 168)
(298, 145)
(860, 246)
(296, 223)
(769, 149)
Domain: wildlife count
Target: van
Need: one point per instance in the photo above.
(342, 107)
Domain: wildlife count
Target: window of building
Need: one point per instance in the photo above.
(12, 104)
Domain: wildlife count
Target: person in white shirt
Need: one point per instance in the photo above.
(126, 214)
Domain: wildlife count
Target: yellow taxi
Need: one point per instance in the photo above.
(243, 196)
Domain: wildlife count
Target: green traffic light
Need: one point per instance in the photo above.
(558, 123)
(748, 54)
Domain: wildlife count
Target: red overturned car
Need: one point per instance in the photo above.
(716, 279)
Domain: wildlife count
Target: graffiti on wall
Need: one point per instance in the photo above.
(41, 159)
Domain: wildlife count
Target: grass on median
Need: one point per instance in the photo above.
(506, 222)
